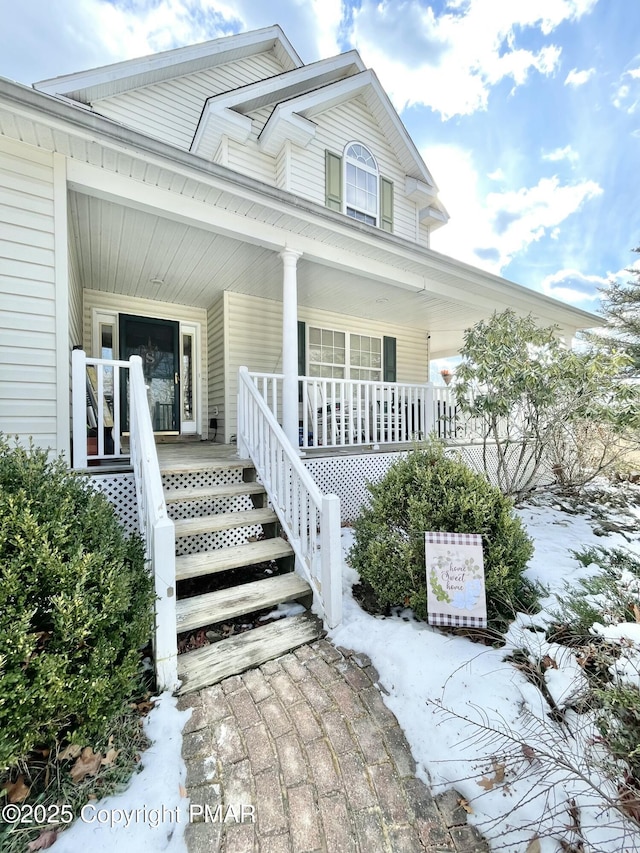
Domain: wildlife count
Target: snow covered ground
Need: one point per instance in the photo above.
(151, 815)
(474, 721)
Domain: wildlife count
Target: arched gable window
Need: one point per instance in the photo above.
(361, 183)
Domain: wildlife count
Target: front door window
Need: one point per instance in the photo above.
(157, 344)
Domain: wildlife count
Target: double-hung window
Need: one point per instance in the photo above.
(361, 184)
(340, 355)
(354, 185)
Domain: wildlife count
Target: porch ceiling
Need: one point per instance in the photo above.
(122, 250)
(125, 250)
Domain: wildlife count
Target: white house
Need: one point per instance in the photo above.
(218, 206)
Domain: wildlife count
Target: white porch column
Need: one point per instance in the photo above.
(290, 345)
(566, 335)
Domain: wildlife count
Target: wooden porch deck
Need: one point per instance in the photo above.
(191, 455)
(187, 455)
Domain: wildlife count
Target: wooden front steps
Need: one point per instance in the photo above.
(226, 604)
(235, 557)
(211, 664)
(231, 563)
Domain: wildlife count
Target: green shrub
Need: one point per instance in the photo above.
(610, 596)
(76, 605)
(618, 718)
(428, 491)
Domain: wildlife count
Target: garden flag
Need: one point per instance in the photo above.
(455, 580)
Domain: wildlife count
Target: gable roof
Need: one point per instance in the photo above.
(298, 113)
(226, 113)
(299, 95)
(108, 80)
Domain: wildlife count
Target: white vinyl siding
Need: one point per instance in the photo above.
(283, 161)
(336, 127)
(253, 328)
(216, 366)
(171, 110)
(28, 383)
(250, 161)
(253, 338)
(425, 235)
(248, 158)
(118, 303)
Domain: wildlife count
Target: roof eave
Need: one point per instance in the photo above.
(118, 76)
(102, 129)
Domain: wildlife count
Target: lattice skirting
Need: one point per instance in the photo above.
(472, 454)
(348, 476)
(345, 476)
(121, 491)
(195, 509)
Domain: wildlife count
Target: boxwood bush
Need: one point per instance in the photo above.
(429, 491)
(76, 606)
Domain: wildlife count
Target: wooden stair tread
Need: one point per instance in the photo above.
(211, 664)
(223, 521)
(224, 604)
(249, 554)
(175, 466)
(228, 490)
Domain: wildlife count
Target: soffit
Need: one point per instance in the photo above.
(120, 250)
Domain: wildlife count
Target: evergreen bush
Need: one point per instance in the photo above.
(429, 491)
(76, 606)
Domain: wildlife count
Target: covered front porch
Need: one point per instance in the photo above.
(332, 416)
(340, 323)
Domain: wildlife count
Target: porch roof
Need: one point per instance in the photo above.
(124, 250)
(142, 210)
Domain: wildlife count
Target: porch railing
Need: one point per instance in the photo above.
(310, 519)
(156, 528)
(451, 424)
(96, 424)
(341, 412)
(335, 413)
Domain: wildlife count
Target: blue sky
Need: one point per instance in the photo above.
(527, 112)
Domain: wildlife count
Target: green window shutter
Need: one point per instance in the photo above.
(333, 180)
(389, 359)
(386, 204)
(302, 345)
(302, 356)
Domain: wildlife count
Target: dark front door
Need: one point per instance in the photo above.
(157, 344)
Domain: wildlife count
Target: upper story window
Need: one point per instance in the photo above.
(354, 185)
(361, 181)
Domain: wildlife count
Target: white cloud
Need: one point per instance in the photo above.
(490, 231)
(566, 153)
(570, 285)
(627, 94)
(451, 61)
(579, 78)
(98, 32)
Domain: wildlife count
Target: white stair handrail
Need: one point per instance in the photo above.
(302, 509)
(156, 528)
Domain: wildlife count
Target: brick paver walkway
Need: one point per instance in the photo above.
(301, 755)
